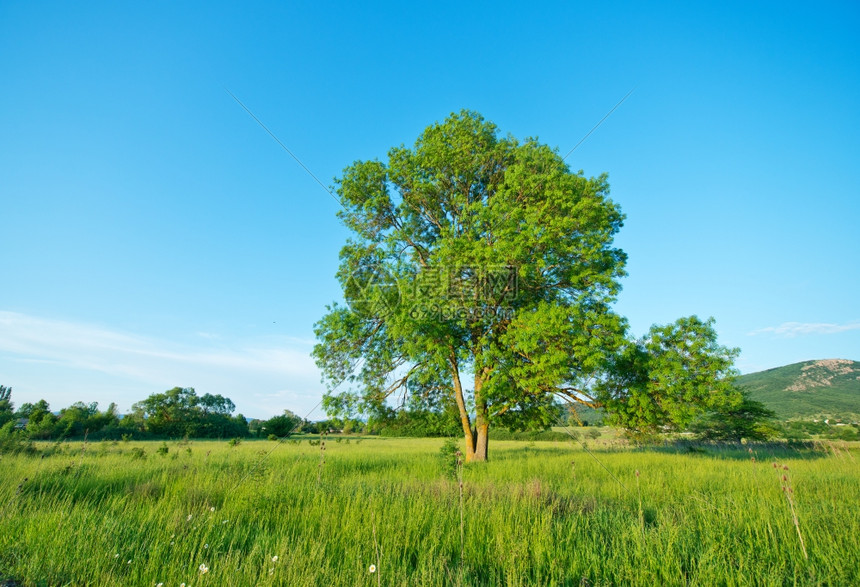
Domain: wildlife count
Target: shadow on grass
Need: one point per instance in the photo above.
(805, 449)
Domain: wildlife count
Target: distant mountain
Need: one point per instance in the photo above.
(829, 388)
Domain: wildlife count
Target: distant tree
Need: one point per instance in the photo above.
(216, 404)
(81, 419)
(741, 418)
(13, 440)
(283, 425)
(240, 426)
(7, 409)
(108, 418)
(170, 413)
(76, 419)
(181, 412)
(25, 410)
(40, 424)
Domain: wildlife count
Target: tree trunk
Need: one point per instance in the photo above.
(482, 421)
(482, 443)
(464, 414)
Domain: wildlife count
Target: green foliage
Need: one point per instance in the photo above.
(472, 255)
(581, 415)
(448, 458)
(163, 449)
(534, 435)
(171, 413)
(14, 441)
(216, 404)
(418, 423)
(175, 413)
(665, 380)
(179, 412)
(844, 432)
(742, 418)
(806, 429)
(7, 409)
(283, 425)
(82, 419)
(41, 423)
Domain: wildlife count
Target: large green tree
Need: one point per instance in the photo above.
(481, 272)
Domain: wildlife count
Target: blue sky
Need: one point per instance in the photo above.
(154, 235)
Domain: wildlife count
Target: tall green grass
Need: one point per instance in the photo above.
(99, 514)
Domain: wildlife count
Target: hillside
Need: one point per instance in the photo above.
(829, 388)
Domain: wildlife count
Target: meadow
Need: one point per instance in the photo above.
(382, 511)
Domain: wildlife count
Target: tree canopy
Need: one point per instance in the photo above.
(477, 257)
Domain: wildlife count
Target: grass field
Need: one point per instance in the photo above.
(262, 513)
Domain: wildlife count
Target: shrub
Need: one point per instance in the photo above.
(448, 458)
(14, 441)
(746, 418)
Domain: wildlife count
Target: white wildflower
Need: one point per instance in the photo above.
(203, 569)
(371, 569)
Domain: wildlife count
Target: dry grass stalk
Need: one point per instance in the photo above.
(788, 490)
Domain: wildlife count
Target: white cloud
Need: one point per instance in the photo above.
(794, 329)
(54, 359)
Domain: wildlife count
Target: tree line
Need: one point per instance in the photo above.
(181, 413)
(176, 413)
